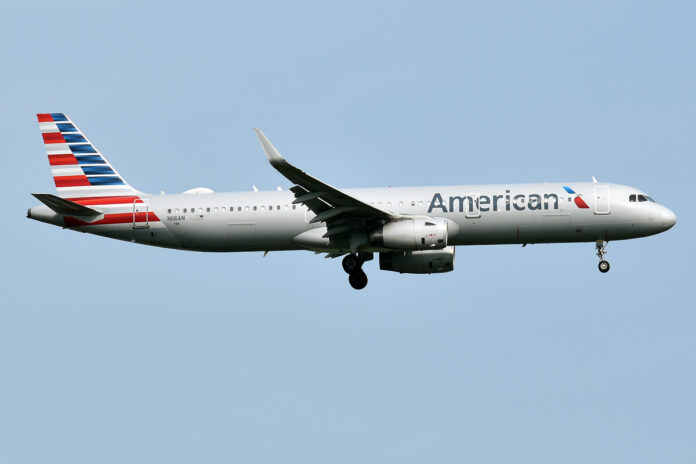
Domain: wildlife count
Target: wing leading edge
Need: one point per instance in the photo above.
(341, 212)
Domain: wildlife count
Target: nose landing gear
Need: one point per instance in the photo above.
(601, 251)
(352, 264)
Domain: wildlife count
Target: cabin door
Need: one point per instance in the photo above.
(601, 197)
(141, 214)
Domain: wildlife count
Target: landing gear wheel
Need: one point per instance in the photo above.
(351, 263)
(358, 280)
(601, 246)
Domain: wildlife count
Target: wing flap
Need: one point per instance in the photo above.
(315, 204)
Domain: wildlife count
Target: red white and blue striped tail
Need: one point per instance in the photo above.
(78, 168)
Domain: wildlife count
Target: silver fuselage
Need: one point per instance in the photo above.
(484, 214)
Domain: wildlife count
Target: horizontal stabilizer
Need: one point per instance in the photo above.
(66, 207)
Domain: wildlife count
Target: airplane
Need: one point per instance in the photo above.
(413, 229)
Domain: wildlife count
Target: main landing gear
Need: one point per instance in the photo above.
(601, 251)
(352, 264)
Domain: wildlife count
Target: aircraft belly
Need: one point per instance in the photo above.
(514, 228)
(245, 232)
(275, 233)
(551, 228)
(241, 236)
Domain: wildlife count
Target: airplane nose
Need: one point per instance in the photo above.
(668, 219)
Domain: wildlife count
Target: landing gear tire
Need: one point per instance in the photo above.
(351, 263)
(603, 265)
(358, 280)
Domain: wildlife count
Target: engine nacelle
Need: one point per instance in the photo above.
(412, 234)
(418, 262)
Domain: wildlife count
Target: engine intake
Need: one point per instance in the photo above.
(418, 262)
(412, 234)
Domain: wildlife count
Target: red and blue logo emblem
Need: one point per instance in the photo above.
(579, 202)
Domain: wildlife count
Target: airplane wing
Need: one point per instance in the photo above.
(341, 212)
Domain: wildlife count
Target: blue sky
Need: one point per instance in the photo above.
(114, 352)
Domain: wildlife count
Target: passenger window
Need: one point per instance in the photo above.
(263, 208)
(420, 203)
(246, 208)
(413, 203)
(184, 210)
(223, 209)
(401, 203)
(278, 207)
(286, 207)
(200, 210)
(207, 210)
(169, 211)
(632, 198)
(389, 204)
(176, 211)
(216, 209)
(294, 206)
(255, 208)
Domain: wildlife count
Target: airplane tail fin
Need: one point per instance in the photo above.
(78, 168)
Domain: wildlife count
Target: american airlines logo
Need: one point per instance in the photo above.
(578, 201)
(503, 202)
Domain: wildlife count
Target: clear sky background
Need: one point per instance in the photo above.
(112, 352)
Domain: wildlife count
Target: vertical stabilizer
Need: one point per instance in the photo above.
(78, 168)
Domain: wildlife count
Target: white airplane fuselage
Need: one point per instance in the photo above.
(484, 215)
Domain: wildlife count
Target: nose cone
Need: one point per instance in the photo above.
(668, 219)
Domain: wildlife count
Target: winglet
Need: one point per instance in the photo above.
(271, 152)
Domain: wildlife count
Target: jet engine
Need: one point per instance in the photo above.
(413, 234)
(418, 262)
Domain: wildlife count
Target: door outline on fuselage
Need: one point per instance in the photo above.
(475, 210)
(143, 206)
(602, 203)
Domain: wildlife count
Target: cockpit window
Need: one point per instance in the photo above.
(640, 198)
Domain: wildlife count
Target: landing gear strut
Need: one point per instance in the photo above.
(601, 251)
(352, 264)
